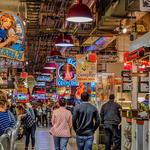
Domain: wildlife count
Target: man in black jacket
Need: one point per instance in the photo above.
(111, 118)
(85, 122)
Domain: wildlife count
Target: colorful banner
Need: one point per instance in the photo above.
(86, 71)
(11, 37)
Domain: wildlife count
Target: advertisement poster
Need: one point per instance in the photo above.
(126, 81)
(86, 70)
(104, 86)
(11, 37)
(143, 84)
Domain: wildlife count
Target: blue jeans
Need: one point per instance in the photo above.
(60, 143)
(84, 142)
(30, 132)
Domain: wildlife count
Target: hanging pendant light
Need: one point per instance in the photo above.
(64, 40)
(50, 66)
(79, 13)
(46, 72)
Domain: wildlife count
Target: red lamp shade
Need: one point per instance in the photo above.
(79, 13)
(64, 41)
(50, 66)
(46, 72)
(92, 57)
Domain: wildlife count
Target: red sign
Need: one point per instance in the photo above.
(136, 54)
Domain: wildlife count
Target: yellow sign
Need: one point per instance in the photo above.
(86, 71)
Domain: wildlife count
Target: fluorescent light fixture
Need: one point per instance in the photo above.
(63, 45)
(79, 19)
(64, 41)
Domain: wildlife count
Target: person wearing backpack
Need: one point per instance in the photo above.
(29, 123)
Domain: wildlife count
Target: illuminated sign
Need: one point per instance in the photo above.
(66, 73)
(22, 96)
(11, 37)
(136, 54)
(44, 78)
(39, 96)
(40, 84)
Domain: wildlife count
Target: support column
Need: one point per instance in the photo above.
(134, 104)
(149, 109)
(134, 86)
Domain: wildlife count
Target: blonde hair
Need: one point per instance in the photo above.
(3, 98)
(8, 16)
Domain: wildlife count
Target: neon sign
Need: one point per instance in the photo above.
(40, 84)
(22, 96)
(66, 73)
(39, 96)
(44, 78)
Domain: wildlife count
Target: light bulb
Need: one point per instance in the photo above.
(124, 30)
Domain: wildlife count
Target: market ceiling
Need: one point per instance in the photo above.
(45, 20)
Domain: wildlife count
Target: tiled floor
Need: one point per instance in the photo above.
(44, 141)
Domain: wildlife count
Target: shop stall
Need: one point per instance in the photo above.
(135, 120)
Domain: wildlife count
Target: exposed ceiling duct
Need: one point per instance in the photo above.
(12, 6)
(117, 9)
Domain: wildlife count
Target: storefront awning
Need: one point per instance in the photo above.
(143, 41)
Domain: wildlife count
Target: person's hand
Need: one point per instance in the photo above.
(12, 38)
(119, 126)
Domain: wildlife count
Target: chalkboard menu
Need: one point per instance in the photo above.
(126, 81)
(143, 84)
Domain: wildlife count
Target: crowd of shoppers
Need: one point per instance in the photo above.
(85, 121)
(83, 118)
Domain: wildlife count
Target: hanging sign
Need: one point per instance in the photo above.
(86, 70)
(57, 59)
(145, 5)
(43, 78)
(66, 73)
(31, 81)
(11, 37)
(126, 81)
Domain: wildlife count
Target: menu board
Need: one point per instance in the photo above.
(126, 81)
(143, 84)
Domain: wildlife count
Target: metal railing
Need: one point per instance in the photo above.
(8, 139)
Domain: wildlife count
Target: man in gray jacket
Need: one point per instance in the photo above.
(111, 118)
